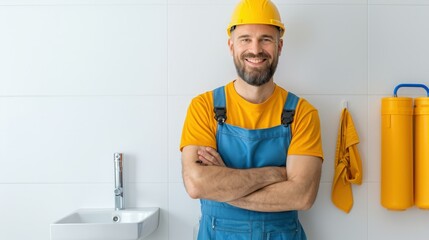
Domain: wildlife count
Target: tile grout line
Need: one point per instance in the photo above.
(168, 118)
(368, 112)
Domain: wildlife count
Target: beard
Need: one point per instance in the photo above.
(255, 76)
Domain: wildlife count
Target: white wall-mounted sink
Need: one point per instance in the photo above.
(106, 224)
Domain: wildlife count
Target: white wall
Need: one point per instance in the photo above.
(80, 80)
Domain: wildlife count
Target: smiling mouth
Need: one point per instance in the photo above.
(255, 60)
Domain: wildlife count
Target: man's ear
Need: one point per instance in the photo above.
(280, 47)
(230, 45)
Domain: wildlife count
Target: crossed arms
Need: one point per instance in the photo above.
(267, 189)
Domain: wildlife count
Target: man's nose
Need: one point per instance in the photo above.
(255, 47)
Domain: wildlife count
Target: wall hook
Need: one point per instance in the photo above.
(345, 104)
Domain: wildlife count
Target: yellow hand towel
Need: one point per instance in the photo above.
(348, 165)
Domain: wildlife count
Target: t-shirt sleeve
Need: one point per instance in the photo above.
(306, 132)
(199, 127)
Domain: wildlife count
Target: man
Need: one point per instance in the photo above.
(252, 151)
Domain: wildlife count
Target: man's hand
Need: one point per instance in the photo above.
(297, 193)
(210, 157)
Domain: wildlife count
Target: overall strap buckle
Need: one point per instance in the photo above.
(220, 114)
(289, 109)
(287, 117)
(219, 104)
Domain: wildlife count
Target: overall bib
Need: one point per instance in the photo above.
(242, 148)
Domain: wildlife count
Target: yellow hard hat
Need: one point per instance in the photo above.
(256, 12)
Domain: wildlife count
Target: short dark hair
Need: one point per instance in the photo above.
(232, 28)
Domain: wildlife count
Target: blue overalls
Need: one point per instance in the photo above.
(243, 148)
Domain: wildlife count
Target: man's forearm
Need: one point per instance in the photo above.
(212, 180)
(226, 184)
(274, 198)
(297, 193)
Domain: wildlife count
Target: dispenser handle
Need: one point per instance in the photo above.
(395, 91)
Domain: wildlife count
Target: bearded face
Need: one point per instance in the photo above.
(255, 49)
(256, 76)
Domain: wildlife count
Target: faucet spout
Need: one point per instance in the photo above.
(119, 187)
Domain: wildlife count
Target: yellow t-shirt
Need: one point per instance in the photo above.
(200, 125)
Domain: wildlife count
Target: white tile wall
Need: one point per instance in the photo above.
(83, 49)
(183, 212)
(197, 39)
(80, 80)
(177, 108)
(322, 54)
(325, 221)
(398, 49)
(43, 138)
(81, 2)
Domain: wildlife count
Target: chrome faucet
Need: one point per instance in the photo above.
(119, 187)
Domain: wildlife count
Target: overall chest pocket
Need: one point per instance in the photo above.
(243, 148)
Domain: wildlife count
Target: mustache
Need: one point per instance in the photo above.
(251, 55)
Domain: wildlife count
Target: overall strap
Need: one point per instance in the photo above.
(289, 109)
(219, 104)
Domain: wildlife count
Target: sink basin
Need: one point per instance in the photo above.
(106, 224)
